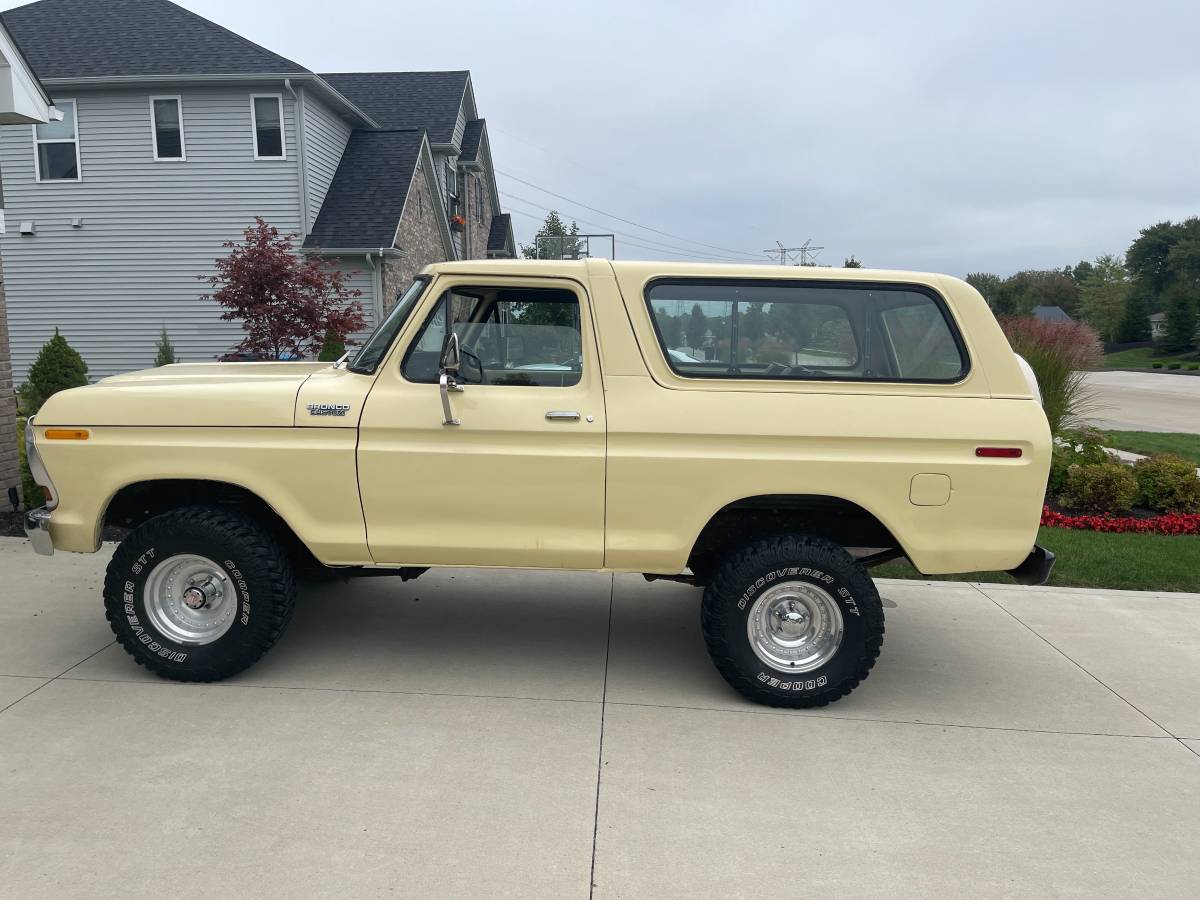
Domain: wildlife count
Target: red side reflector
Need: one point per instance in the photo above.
(999, 452)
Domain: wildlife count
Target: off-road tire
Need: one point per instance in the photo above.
(259, 573)
(755, 568)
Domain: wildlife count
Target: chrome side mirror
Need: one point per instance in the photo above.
(451, 354)
(450, 362)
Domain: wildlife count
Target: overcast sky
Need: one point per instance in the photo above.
(948, 136)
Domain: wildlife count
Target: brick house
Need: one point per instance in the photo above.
(23, 102)
(177, 133)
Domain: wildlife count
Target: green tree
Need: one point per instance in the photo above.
(671, 328)
(554, 240)
(57, 368)
(697, 326)
(1103, 296)
(1147, 257)
(1021, 292)
(1135, 324)
(1181, 319)
(1080, 272)
(166, 350)
(988, 285)
(851, 263)
(753, 324)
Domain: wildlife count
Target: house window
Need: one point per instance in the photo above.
(56, 145)
(166, 119)
(479, 199)
(266, 119)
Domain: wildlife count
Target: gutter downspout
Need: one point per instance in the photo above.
(377, 284)
(301, 169)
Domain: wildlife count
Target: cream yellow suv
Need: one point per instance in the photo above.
(767, 433)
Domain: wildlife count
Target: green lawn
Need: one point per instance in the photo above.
(1144, 358)
(1137, 562)
(1150, 442)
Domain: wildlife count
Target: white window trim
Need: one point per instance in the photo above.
(37, 168)
(154, 129)
(254, 128)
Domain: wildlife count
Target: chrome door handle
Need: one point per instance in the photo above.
(564, 415)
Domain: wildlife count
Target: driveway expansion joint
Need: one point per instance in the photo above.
(55, 678)
(1127, 702)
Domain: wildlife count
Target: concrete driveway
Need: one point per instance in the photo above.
(494, 734)
(1143, 401)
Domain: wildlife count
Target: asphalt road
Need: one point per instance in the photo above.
(1140, 401)
(499, 734)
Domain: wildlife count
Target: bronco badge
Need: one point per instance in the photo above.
(328, 409)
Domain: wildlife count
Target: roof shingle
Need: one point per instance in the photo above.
(87, 39)
(470, 141)
(428, 100)
(500, 235)
(366, 197)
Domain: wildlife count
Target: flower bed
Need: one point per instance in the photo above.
(1168, 523)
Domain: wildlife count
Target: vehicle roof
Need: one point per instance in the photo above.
(645, 268)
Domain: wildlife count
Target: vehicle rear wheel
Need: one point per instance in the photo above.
(792, 621)
(198, 593)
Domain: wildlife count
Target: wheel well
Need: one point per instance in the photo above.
(136, 503)
(833, 518)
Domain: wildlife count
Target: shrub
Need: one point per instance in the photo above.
(31, 494)
(166, 350)
(333, 348)
(1156, 366)
(1192, 367)
(1075, 448)
(1100, 488)
(1059, 354)
(1174, 365)
(56, 368)
(1168, 482)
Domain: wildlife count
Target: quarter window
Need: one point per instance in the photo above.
(266, 115)
(166, 118)
(526, 337)
(814, 330)
(57, 146)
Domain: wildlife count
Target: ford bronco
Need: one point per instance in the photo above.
(766, 433)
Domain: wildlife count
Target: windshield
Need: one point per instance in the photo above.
(373, 351)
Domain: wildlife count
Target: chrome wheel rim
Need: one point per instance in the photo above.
(795, 627)
(190, 599)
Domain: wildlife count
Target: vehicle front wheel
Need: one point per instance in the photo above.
(198, 593)
(792, 621)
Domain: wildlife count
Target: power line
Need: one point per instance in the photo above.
(631, 237)
(627, 243)
(579, 203)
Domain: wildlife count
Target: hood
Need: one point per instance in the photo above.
(260, 394)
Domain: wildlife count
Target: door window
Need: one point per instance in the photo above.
(528, 337)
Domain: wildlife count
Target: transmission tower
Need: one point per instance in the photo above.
(804, 255)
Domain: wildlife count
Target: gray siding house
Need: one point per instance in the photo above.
(176, 134)
(23, 102)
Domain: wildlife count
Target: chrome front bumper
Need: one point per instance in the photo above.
(37, 529)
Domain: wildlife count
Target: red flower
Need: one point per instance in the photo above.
(1169, 523)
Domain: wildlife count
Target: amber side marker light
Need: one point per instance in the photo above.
(66, 434)
(999, 452)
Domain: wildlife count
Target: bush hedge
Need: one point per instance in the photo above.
(1099, 488)
(1167, 482)
(56, 368)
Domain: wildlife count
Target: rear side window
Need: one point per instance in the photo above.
(805, 330)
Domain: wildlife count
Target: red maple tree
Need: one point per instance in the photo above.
(288, 304)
